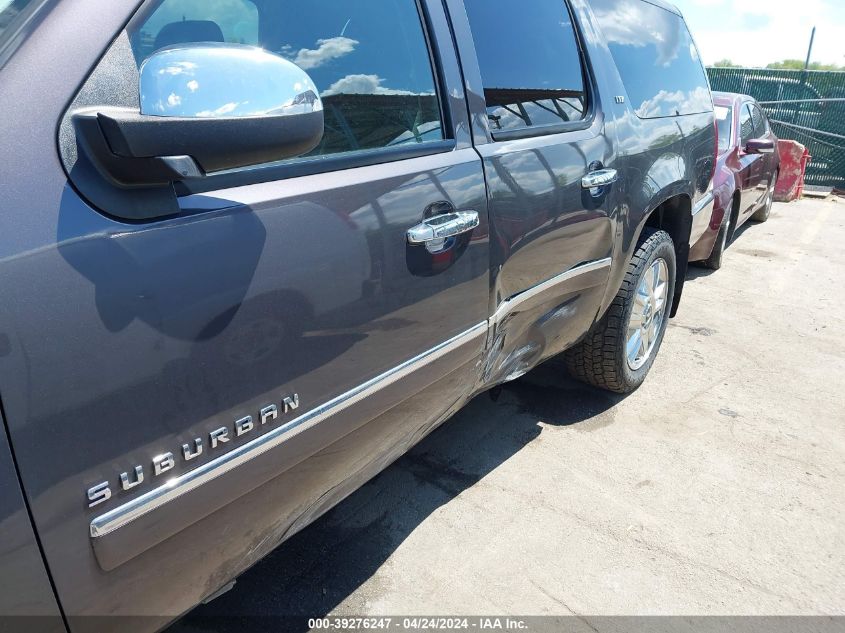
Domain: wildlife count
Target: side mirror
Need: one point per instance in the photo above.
(760, 146)
(205, 107)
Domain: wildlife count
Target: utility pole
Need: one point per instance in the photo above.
(810, 50)
(800, 95)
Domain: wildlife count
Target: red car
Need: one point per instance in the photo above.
(747, 169)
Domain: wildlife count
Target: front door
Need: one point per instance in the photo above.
(184, 392)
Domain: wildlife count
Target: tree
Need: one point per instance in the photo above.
(725, 63)
(798, 64)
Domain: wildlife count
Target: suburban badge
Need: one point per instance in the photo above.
(189, 451)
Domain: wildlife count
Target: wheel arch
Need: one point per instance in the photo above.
(674, 216)
(672, 212)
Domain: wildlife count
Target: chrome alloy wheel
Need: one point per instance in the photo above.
(647, 314)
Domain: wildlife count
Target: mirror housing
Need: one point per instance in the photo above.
(760, 146)
(204, 107)
(215, 81)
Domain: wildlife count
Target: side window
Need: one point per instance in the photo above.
(760, 127)
(656, 57)
(530, 63)
(746, 125)
(368, 58)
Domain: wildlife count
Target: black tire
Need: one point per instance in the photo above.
(600, 358)
(762, 214)
(714, 262)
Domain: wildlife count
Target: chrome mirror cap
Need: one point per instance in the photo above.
(214, 80)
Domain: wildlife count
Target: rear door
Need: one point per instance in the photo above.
(750, 164)
(540, 129)
(766, 164)
(182, 393)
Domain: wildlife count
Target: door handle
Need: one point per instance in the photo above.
(433, 232)
(599, 178)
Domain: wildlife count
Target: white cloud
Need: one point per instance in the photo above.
(326, 51)
(665, 103)
(361, 85)
(178, 68)
(226, 108)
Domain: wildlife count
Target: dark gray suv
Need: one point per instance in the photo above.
(254, 250)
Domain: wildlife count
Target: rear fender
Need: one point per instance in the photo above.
(670, 210)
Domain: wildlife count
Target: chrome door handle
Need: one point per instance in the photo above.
(434, 232)
(599, 178)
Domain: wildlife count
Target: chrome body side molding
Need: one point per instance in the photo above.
(547, 287)
(178, 486)
(543, 321)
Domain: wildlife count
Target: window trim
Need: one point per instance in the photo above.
(590, 90)
(18, 30)
(299, 167)
(435, 60)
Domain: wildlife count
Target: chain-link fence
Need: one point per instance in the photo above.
(806, 106)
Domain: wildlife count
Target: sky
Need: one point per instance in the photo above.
(758, 32)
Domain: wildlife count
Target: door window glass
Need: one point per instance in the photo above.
(186, 21)
(656, 57)
(760, 128)
(530, 62)
(368, 58)
(746, 125)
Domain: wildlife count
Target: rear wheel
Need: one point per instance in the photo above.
(620, 349)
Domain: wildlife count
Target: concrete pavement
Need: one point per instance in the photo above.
(717, 488)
